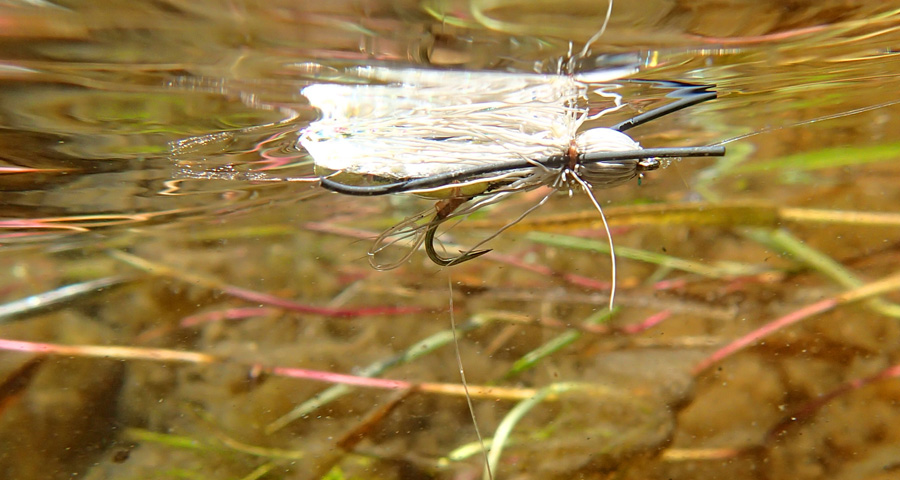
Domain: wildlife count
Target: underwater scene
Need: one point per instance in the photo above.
(448, 239)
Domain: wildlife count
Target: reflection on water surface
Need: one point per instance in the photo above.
(149, 173)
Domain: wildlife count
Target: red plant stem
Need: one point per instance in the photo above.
(341, 378)
(229, 314)
(810, 408)
(254, 296)
(887, 284)
(265, 298)
(764, 331)
(647, 324)
(166, 355)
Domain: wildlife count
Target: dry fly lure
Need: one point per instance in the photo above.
(472, 138)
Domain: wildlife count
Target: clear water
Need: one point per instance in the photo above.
(168, 131)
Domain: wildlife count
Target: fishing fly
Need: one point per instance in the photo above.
(470, 139)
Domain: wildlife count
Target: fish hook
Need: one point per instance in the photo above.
(444, 209)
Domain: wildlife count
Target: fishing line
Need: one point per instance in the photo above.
(465, 384)
(833, 116)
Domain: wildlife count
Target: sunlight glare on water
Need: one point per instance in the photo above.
(154, 196)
